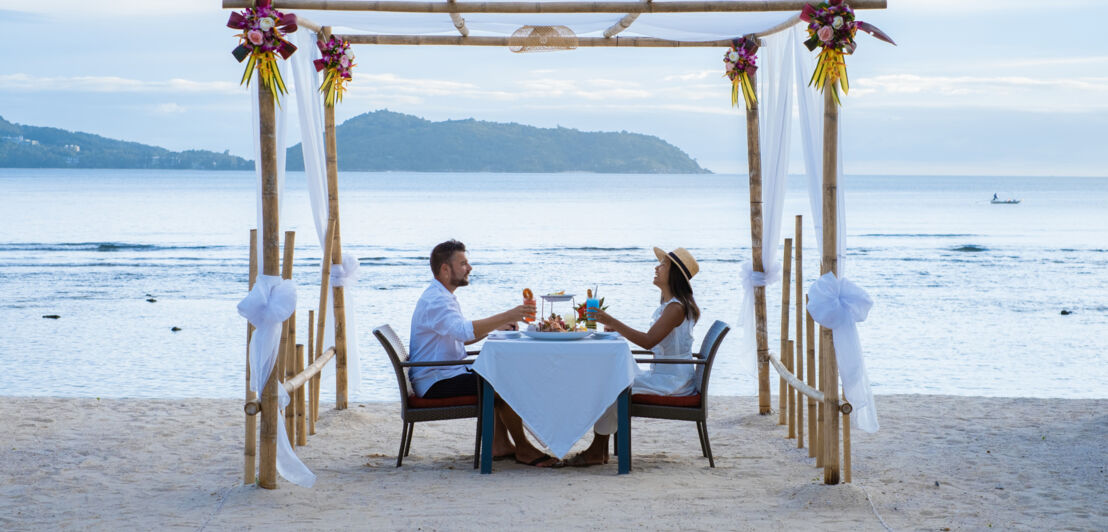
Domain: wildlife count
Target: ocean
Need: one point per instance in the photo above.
(968, 296)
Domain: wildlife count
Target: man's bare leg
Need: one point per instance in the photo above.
(501, 445)
(524, 451)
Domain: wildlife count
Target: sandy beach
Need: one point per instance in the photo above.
(938, 463)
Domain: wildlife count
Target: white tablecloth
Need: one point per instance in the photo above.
(559, 389)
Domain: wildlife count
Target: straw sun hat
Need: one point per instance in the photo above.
(682, 259)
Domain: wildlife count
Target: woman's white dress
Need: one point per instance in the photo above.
(669, 379)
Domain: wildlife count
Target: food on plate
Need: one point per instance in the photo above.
(555, 323)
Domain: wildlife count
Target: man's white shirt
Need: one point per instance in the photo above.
(439, 332)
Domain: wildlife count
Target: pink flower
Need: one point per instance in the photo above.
(825, 33)
(345, 61)
(255, 37)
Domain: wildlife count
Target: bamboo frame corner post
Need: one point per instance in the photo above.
(336, 256)
(830, 263)
(267, 475)
(754, 163)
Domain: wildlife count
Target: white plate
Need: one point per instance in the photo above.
(605, 335)
(557, 297)
(503, 335)
(557, 335)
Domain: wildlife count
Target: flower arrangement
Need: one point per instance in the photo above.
(262, 38)
(740, 64)
(831, 26)
(581, 309)
(338, 60)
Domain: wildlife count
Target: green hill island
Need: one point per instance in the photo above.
(374, 142)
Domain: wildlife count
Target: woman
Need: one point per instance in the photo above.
(669, 336)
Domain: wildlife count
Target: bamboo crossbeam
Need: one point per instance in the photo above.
(308, 23)
(400, 6)
(252, 407)
(582, 42)
(813, 393)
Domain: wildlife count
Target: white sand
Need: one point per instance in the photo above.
(938, 462)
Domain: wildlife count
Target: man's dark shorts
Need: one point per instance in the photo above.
(458, 385)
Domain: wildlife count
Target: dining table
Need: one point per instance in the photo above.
(559, 387)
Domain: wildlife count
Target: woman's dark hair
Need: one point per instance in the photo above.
(682, 290)
(442, 253)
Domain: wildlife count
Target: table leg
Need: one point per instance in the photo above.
(488, 398)
(624, 430)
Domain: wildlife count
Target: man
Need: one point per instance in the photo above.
(440, 332)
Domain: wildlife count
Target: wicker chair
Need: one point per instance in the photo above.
(415, 409)
(690, 407)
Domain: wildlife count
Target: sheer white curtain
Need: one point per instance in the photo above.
(309, 104)
(272, 300)
(775, 87)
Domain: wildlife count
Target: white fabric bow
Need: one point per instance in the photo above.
(267, 306)
(750, 279)
(345, 273)
(839, 305)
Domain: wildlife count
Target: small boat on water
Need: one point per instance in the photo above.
(1004, 201)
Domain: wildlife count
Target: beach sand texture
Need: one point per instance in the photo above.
(938, 462)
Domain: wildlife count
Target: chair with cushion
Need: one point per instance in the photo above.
(415, 409)
(689, 407)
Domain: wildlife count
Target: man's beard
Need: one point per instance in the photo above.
(460, 281)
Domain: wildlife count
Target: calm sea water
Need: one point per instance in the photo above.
(968, 296)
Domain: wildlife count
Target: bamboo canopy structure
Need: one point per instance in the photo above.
(821, 386)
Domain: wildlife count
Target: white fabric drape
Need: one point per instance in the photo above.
(310, 108)
(810, 102)
(775, 89)
(838, 304)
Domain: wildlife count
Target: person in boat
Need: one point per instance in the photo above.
(669, 336)
(440, 333)
(994, 196)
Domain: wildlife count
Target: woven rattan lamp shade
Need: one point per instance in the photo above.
(542, 39)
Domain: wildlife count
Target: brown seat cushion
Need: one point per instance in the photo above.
(461, 400)
(690, 401)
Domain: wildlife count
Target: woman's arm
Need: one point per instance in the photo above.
(672, 316)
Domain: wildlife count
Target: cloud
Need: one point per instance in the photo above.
(692, 76)
(27, 82)
(168, 109)
(116, 9)
(1020, 93)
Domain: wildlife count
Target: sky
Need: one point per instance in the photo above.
(978, 87)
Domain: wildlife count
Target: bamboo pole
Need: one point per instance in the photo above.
(401, 6)
(813, 425)
(250, 449)
(621, 25)
(288, 337)
(459, 22)
(313, 389)
(336, 256)
(324, 285)
(267, 474)
(754, 163)
(846, 445)
(582, 42)
(830, 264)
(784, 391)
(798, 353)
(301, 422)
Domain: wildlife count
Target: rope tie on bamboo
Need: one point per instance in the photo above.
(267, 306)
(839, 305)
(749, 341)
